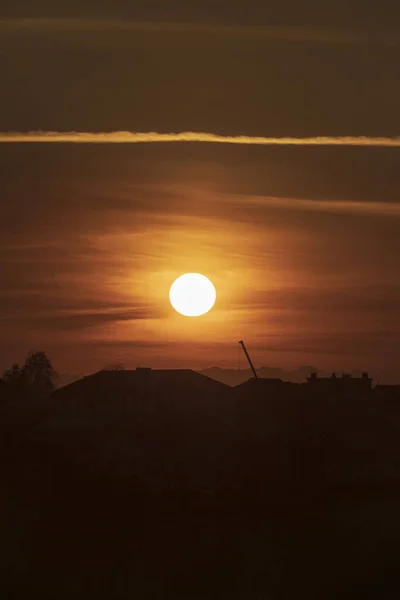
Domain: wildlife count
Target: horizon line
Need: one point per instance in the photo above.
(132, 137)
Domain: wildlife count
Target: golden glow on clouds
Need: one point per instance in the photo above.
(132, 137)
(272, 287)
(147, 280)
(388, 209)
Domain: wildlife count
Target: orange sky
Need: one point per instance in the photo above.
(301, 242)
(302, 280)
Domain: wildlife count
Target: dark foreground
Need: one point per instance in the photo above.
(256, 497)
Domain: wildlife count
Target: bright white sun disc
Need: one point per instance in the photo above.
(192, 295)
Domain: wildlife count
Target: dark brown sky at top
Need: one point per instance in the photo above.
(220, 82)
(276, 12)
(302, 243)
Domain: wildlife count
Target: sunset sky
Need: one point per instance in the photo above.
(301, 240)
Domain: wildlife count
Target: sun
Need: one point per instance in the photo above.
(192, 295)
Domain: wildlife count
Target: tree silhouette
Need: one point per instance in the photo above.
(39, 374)
(13, 376)
(16, 385)
(36, 377)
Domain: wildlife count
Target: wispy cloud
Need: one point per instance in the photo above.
(290, 34)
(82, 319)
(389, 209)
(132, 137)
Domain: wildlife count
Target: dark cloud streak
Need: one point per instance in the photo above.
(327, 35)
(80, 321)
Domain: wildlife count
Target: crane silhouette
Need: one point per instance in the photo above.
(248, 358)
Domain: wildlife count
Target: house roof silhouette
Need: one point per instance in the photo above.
(142, 390)
(129, 380)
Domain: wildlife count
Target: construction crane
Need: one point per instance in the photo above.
(248, 358)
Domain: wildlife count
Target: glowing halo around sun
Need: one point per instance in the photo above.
(192, 295)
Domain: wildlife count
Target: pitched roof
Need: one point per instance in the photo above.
(142, 391)
(130, 380)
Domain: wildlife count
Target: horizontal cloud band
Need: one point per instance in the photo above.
(324, 35)
(131, 137)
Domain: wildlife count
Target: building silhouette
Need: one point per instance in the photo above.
(345, 386)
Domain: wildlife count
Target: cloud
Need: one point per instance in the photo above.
(316, 344)
(324, 35)
(376, 300)
(132, 137)
(370, 208)
(84, 320)
(79, 320)
(328, 343)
